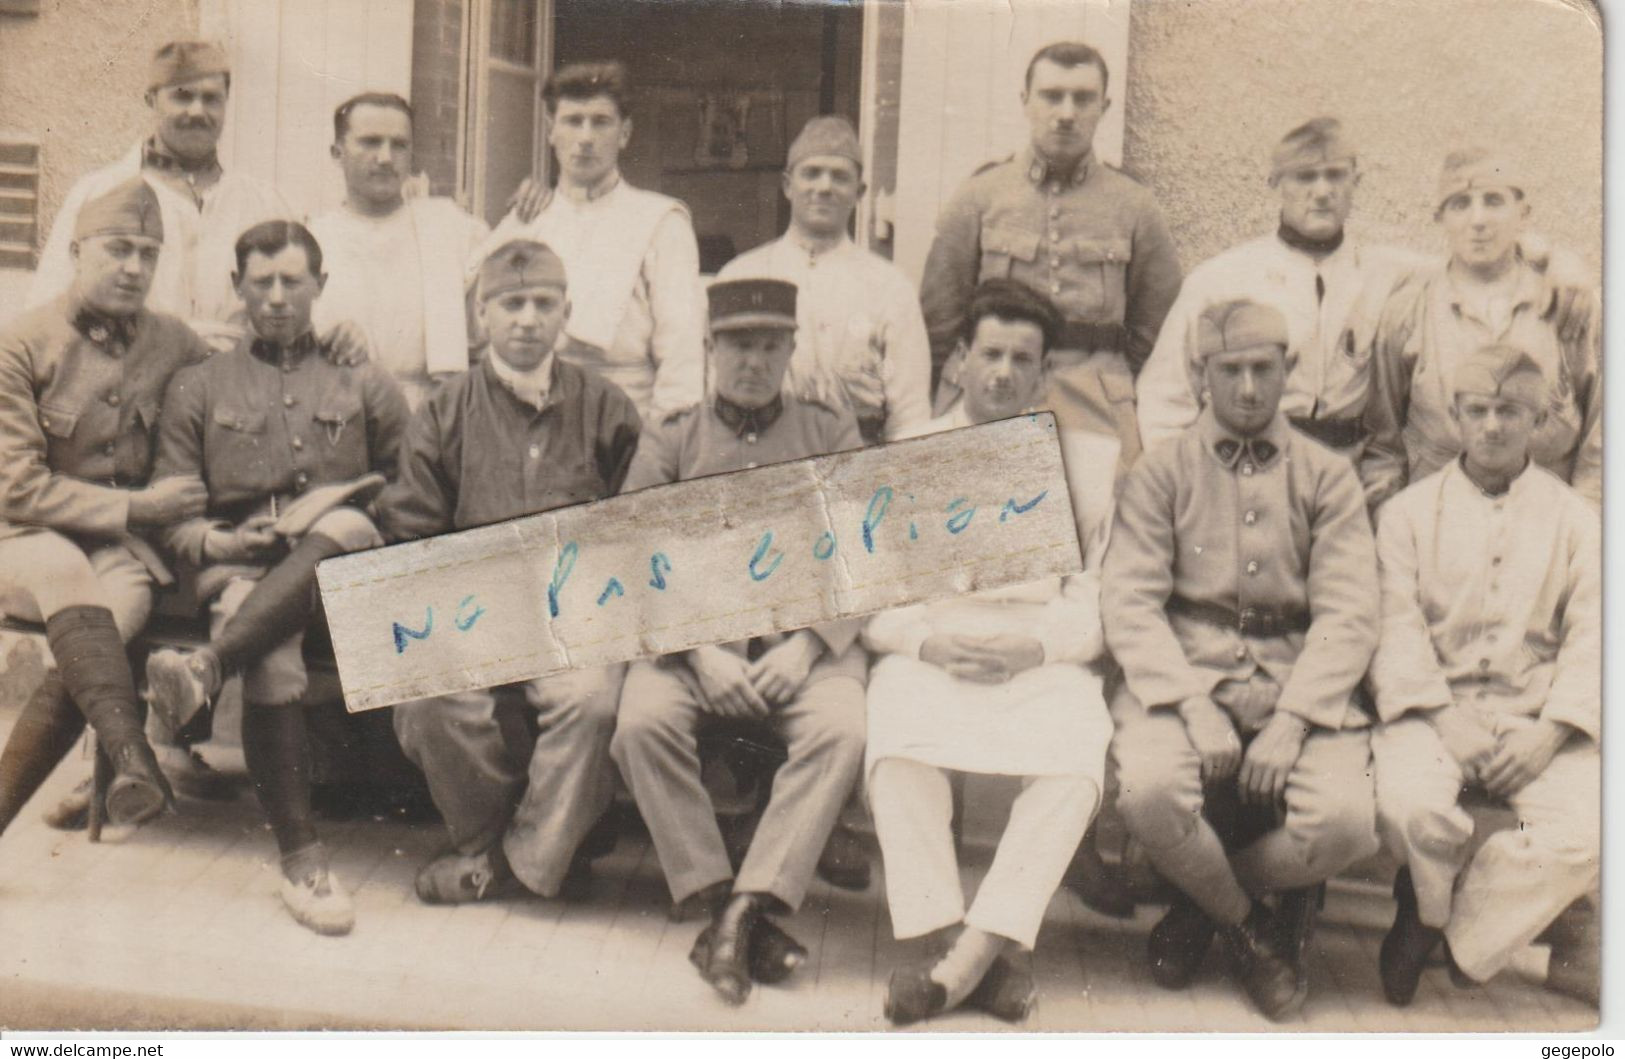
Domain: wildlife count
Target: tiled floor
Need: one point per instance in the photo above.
(177, 925)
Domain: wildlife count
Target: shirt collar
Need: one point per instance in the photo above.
(1528, 292)
(582, 196)
(792, 244)
(1458, 467)
(532, 387)
(1039, 170)
(1229, 449)
(112, 333)
(744, 421)
(1296, 240)
(155, 155)
(278, 355)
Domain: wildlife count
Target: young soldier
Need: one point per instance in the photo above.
(1088, 237)
(1329, 286)
(1488, 292)
(638, 316)
(992, 683)
(1241, 581)
(522, 431)
(1488, 674)
(807, 685)
(398, 267)
(859, 323)
(80, 383)
(265, 426)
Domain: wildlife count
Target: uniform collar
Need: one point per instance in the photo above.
(1039, 170)
(1296, 240)
(532, 388)
(279, 355)
(802, 252)
(744, 421)
(602, 189)
(107, 331)
(155, 155)
(1230, 449)
(1529, 291)
(1458, 467)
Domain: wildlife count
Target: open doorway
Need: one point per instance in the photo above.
(718, 92)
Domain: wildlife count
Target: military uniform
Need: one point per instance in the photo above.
(1094, 242)
(474, 454)
(655, 741)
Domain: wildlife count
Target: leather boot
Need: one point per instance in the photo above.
(774, 954)
(1178, 944)
(1268, 977)
(1406, 947)
(722, 951)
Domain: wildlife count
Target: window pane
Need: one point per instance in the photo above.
(513, 31)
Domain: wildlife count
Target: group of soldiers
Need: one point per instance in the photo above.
(1341, 502)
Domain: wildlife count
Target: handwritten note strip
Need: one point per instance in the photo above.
(705, 561)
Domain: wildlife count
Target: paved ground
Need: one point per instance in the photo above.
(177, 925)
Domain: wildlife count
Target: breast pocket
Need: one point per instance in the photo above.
(236, 433)
(58, 421)
(1101, 267)
(343, 429)
(1003, 247)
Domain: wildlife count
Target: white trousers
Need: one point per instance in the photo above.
(912, 807)
(1521, 879)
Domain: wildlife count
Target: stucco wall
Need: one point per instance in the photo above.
(72, 78)
(1214, 83)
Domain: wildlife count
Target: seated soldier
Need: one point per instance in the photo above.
(1241, 584)
(807, 685)
(80, 381)
(990, 683)
(521, 432)
(1488, 674)
(264, 425)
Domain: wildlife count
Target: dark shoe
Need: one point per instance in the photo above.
(845, 860)
(456, 878)
(912, 995)
(1295, 917)
(1101, 888)
(72, 813)
(1406, 947)
(577, 885)
(722, 951)
(1268, 977)
(774, 954)
(1178, 944)
(139, 791)
(1007, 991)
(180, 683)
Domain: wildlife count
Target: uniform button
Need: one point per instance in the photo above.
(1495, 586)
(1483, 663)
(109, 448)
(1490, 638)
(1055, 288)
(286, 368)
(1250, 517)
(750, 439)
(1054, 262)
(1055, 211)
(287, 400)
(535, 452)
(297, 443)
(1054, 236)
(301, 479)
(1247, 469)
(1252, 567)
(1495, 561)
(1241, 653)
(113, 399)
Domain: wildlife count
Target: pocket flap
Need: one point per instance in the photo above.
(1015, 242)
(1108, 251)
(338, 406)
(58, 422)
(243, 420)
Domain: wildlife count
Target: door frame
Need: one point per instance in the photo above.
(474, 95)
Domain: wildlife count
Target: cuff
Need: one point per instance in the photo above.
(1577, 717)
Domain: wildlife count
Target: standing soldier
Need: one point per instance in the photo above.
(637, 314)
(859, 323)
(1330, 288)
(80, 383)
(1241, 584)
(1488, 292)
(397, 267)
(1058, 219)
(806, 685)
(522, 431)
(266, 426)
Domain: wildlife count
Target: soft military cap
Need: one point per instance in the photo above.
(827, 135)
(517, 265)
(181, 61)
(1318, 141)
(740, 304)
(130, 208)
(1236, 325)
(1498, 370)
(1478, 167)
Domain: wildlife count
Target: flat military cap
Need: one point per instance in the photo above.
(825, 135)
(1477, 167)
(1235, 325)
(744, 303)
(1317, 141)
(181, 61)
(1498, 370)
(129, 208)
(519, 264)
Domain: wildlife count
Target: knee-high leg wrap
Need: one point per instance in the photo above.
(276, 748)
(44, 733)
(282, 601)
(95, 670)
